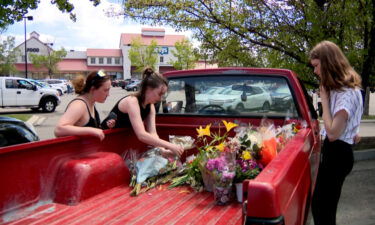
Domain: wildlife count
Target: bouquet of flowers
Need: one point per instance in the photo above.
(149, 170)
(225, 157)
(247, 144)
(222, 171)
(211, 146)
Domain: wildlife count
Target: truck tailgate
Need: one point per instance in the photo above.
(116, 206)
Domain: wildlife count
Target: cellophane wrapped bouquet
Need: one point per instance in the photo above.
(154, 167)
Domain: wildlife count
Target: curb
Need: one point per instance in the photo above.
(364, 155)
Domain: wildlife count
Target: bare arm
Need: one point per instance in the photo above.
(334, 126)
(130, 105)
(72, 121)
(150, 122)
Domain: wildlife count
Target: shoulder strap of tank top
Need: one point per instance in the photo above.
(97, 118)
(88, 110)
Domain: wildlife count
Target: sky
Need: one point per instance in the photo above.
(93, 29)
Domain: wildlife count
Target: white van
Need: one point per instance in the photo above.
(20, 92)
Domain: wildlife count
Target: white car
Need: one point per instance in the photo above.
(57, 84)
(202, 99)
(241, 98)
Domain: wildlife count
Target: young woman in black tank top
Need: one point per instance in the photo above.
(81, 117)
(138, 111)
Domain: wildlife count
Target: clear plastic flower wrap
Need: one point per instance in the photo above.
(186, 142)
(149, 169)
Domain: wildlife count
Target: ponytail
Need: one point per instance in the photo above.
(150, 79)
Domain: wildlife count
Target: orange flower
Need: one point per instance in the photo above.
(220, 146)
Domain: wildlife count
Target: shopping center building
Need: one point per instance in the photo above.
(115, 62)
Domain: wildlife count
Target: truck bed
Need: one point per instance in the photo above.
(115, 206)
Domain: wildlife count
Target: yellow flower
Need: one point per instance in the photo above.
(204, 132)
(229, 125)
(220, 146)
(246, 155)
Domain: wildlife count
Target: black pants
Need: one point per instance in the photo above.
(337, 162)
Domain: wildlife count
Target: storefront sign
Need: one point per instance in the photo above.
(162, 50)
(32, 49)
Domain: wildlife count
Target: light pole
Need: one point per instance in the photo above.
(49, 45)
(26, 18)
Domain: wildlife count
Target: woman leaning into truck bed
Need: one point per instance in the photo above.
(81, 116)
(138, 111)
(342, 110)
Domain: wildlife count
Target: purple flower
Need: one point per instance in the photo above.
(211, 164)
(227, 176)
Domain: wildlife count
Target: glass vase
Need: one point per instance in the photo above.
(222, 194)
(208, 180)
(239, 192)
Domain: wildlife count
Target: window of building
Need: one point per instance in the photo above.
(117, 60)
(23, 58)
(161, 59)
(109, 60)
(101, 60)
(92, 60)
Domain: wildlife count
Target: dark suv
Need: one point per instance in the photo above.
(14, 131)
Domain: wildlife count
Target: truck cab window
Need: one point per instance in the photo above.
(24, 84)
(229, 94)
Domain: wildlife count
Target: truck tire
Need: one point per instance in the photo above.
(49, 105)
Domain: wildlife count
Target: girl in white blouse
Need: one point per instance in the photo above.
(342, 110)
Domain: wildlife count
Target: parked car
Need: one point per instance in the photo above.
(242, 97)
(43, 84)
(14, 131)
(282, 99)
(202, 99)
(59, 85)
(133, 85)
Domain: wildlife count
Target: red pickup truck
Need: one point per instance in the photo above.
(80, 180)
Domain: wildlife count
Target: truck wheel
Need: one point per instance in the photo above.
(49, 105)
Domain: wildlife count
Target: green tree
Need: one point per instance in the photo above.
(15, 10)
(269, 33)
(8, 56)
(48, 61)
(142, 56)
(185, 55)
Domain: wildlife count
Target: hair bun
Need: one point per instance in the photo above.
(148, 71)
